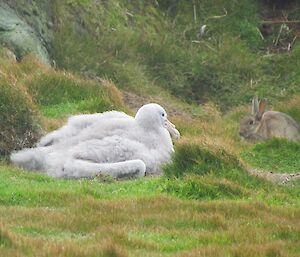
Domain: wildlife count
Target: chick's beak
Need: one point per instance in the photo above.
(172, 129)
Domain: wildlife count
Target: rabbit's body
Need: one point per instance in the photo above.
(261, 125)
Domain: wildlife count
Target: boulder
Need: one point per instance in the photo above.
(19, 37)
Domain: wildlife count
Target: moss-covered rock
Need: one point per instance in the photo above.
(17, 35)
(38, 15)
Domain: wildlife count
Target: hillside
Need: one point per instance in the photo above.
(221, 196)
(159, 45)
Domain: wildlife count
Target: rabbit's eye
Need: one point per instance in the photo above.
(251, 122)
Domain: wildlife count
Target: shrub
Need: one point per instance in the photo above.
(18, 118)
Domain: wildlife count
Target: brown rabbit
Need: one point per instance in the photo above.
(261, 125)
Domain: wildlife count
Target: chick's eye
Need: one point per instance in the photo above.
(163, 114)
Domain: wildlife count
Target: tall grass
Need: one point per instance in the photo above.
(149, 45)
(58, 88)
(30, 91)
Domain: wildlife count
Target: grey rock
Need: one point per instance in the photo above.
(18, 36)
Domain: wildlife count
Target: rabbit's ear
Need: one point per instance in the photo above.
(261, 109)
(254, 105)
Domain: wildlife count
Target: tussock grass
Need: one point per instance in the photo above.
(144, 47)
(208, 171)
(6, 239)
(208, 161)
(63, 93)
(19, 126)
(199, 159)
(30, 92)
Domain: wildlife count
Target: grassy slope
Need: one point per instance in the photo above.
(148, 47)
(33, 95)
(211, 207)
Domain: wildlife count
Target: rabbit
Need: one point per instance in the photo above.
(262, 125)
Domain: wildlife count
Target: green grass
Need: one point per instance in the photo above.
(157, 45)
(195, 158)
(141, 217)
(205, 204)
(34, 189)
(275, 155)
(31, 92)
(60, 110)
(148, 46)
(206, 187)
(68, 108)
(61, 91)
(200, 172)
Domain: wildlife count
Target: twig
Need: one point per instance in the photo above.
(129, 14)
(195, 11)
(291, 43)
(285, 14)
(261, 35)
(219, 16)
(278, 36)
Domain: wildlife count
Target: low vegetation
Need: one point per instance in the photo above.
(206, 203)
(31, 93)
(46, 216)
(275, 155)
(159, 45)
(19, 124)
